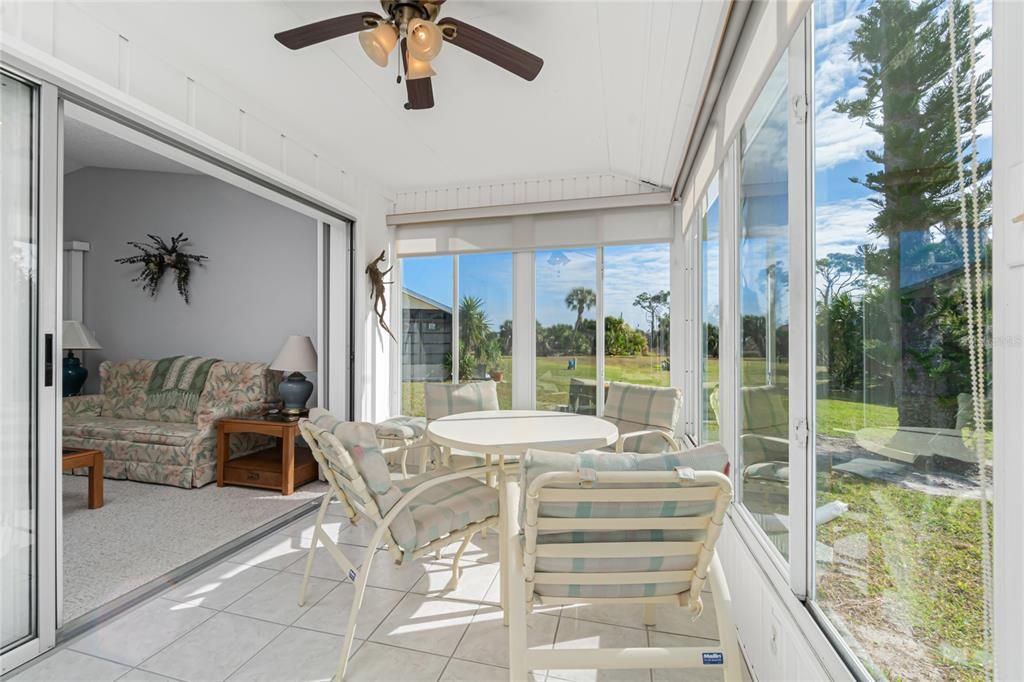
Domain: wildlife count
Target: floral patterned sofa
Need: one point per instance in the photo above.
(171, 446)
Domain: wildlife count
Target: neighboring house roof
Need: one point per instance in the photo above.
(413, 300)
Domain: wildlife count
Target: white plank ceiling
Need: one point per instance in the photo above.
(620, 81)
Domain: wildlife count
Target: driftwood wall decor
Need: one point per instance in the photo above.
(157, 257)
(380, 303)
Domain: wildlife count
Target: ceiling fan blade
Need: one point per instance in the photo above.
(493, 49)
(319, 31)
(419, 90)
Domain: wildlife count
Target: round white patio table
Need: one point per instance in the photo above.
(513, 432)
(510, 433)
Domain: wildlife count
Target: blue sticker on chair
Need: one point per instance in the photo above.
(351, 575)
(713, 658)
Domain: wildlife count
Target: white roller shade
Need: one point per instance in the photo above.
(598, 227)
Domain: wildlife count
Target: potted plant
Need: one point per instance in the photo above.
(492, 357)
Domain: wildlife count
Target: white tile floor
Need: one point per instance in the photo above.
(240, 620)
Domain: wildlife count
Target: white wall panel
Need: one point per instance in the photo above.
(262, 142)
(79, 40)
(299, 162)
(158, 84)
(216, 116)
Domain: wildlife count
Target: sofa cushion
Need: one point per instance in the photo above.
(123, 385)
(130, 430)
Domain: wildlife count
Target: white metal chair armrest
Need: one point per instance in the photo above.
(620, 444)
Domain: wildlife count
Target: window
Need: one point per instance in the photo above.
(426, 327)
(763, 305)
(566, 309)
(485, 321)
(710, 311)
(901, 566)
(636, 314)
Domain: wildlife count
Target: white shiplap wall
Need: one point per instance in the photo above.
(70, 33)
(503, 193)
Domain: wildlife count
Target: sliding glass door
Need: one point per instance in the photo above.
(27, 392)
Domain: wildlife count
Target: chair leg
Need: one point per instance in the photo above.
(357, 603)
(424, 454)
(726, 627)
(650, 614)
(405, 456)
(453, 582)
(312, 547)
(517, 649)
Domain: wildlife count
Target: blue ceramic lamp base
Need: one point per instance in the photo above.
(74, 375)
(295, 392)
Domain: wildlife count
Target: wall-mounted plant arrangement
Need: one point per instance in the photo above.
(158, 257)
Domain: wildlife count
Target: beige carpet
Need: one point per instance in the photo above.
(144, 531)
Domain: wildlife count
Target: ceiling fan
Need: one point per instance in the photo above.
(414, 23)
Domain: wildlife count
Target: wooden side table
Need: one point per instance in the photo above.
(74, 458)
(277, 468)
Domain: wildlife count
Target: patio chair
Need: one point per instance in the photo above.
(646, 416)
(444, 400)
(621, 529)
(764, 447)
(414, 517)
(402, 434)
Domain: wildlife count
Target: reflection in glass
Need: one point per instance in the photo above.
(18, 334)
(566, 307)
(764, 310)
(485, 321)
(710, 306)
(636, 314)
(900, 569)
(426, 327)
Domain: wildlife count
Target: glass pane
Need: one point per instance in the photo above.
(899, 534)
(426, 327)
(636, 314)
(18, 334)
(764, 310)
(485, 321)
(567, 330)
(710, 307)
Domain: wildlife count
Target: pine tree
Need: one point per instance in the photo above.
(903, 49)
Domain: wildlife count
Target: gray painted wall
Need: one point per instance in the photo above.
(258, 287)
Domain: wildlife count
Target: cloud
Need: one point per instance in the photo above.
(842, 226)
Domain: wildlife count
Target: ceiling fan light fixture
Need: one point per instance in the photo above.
(417, 68)
(378, 42)
(425, 39)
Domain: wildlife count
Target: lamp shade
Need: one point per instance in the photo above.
(296, 355)
(417, 68)
(378, 42)
(425, 39)
(76, 336)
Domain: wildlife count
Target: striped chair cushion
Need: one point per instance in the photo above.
(765, 411)
(402, 428)
(448, 506)
(443, 400)
(632, 407)
(710, 457)
(362, 458)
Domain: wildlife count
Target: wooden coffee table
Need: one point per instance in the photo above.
(74, 458)
(281, 467)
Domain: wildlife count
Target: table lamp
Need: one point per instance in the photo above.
(76, 336)
(297, 355)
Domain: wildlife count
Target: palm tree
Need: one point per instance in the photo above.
(580, 299)
(474, 326)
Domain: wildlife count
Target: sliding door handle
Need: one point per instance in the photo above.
(48, 360)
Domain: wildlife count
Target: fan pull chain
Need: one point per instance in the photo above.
(974, 281)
